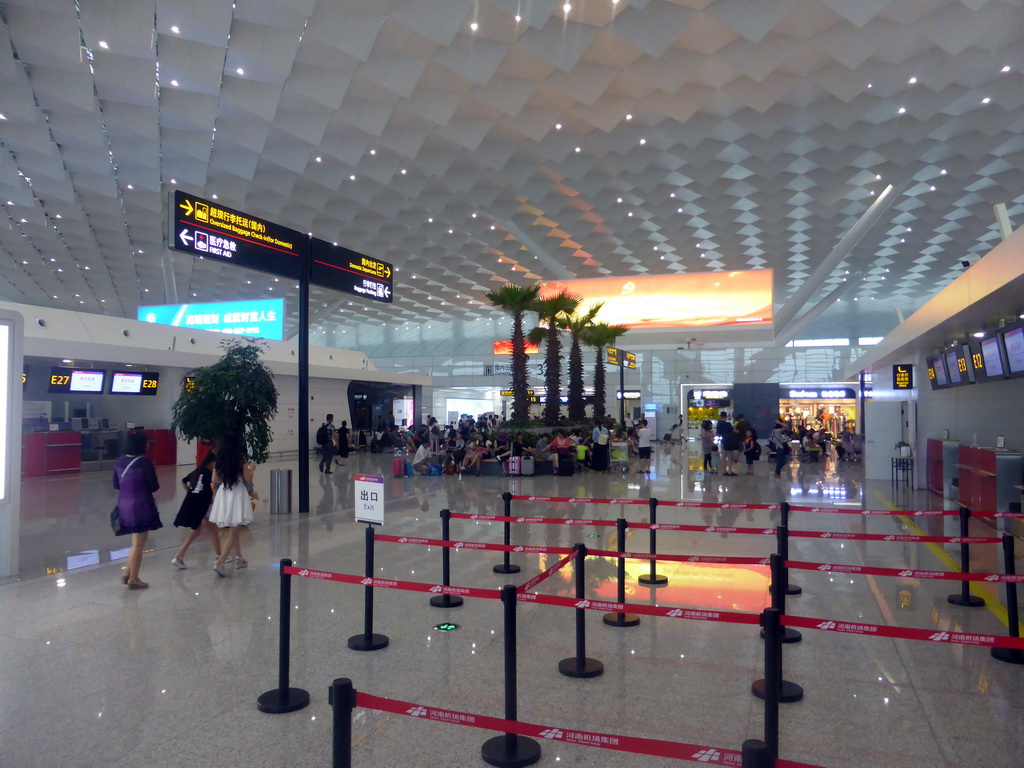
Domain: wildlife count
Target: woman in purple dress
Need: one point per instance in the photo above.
(135, 481)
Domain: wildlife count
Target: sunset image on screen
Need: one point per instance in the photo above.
(676, 301)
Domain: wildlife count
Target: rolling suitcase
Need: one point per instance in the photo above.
(527, 466)
(515, 465)
(409, 471)
(566, 464)
(398, 467)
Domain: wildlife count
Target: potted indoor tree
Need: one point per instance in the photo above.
(235, 395)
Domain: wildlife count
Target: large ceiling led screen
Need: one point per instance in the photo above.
(676, 301)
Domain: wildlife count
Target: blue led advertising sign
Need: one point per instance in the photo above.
(263, 318)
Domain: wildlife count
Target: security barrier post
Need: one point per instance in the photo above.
(579, 665)
(965, 598)
(510, 750)
(283, 698)
(446, 601)
(368, 641)
(773, 688)
(1011, 655)
(342, 698)
(621, 619)
(505, 566)
(654, 579)
(778, 593)
(783, 548)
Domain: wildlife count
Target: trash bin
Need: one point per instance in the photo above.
(280, 491)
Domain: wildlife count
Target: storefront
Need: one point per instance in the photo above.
(705, 403)
(829, 407)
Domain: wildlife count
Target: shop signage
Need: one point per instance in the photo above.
(510, 393)
(821, 394)
(903, 377)
(260, 317)
(351, 272)
(629, 394)
(209, 230)
(709, 394)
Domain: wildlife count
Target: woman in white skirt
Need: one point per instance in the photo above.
(231, 507)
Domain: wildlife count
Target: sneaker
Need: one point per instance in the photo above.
(220, 569)
(178, 563)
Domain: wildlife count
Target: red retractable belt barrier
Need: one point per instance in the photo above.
(894, 537)
(1001, 578)
(541, 520)
(473, 545)
(548, 573)
(904, 512)
(637, 745)
(703, 528)
(409, 586)
(929, 635)
(609, 606)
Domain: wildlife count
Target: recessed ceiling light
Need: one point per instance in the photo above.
(912, 80)
(643, 141)
(567, 7)
(3, 116)
(474, 26)
(629, 117)
(130, 187)
(319, 159)
(878, 177)
(373, 151)
(618, 200)
(870, 85)
(901, 110)
(518, 18)
(942, 172)
(175, 30)
(932, 188)
(403, 171)
(986, 100)
(352, 177)
(103, 44)
(430, 220)
(174, 181)
(1005, 69)
(980, 334)
(174, 83)
(240, 71)
(577, 149)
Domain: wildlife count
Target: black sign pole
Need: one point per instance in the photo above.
(622, 390)
(303, 338)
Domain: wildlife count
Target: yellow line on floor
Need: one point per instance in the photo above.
(988, 592)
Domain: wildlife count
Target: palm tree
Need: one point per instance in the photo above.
(599, 336)
(553, 311)
(517, 300)
(576, 325)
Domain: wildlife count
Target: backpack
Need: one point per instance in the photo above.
(757, 451)
(323, 435)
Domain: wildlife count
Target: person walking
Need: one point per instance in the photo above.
(707, 444)
(343, 443)
(192, 514)
(231, 507)
(643, 447)
(135, 481)
(327, 437)
(780, 441)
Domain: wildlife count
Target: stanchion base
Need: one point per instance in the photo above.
(790, 691)
(496, 751)
(793, 589)
(657, 580)
(368, 642)
(756, 755)
(1009, 655)
(446, 601)
(621, 619)
(502, 568)
(571, 667)
(971, 601)
(277, 702)
(789, 635)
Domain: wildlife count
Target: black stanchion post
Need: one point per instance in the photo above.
(510, 750)
(654, 579)
(505, 566)
(772, 688)
(579, 665)
(783, 541)
(342, 698)
(446, 601)
(1011, 655)
(777, 591)
(621, 619)
(965, 598)
(755, 754)
(283, 699)
(368, 641)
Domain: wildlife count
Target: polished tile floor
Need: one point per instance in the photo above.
(95, 675)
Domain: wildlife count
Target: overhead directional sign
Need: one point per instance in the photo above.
(209, 230)
(346, 270)
(621, 357)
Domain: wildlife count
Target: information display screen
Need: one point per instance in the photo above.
(956, 377)
(937, 372)
(64, 380)
(134, 383)
(991, 353)
(965, 364)
(1013, 344)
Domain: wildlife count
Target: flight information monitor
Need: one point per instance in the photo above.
(65, 380)
(134, 383)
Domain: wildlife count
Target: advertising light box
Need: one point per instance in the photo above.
(263, 318)
(676, 301)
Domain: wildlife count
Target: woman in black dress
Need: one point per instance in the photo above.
(199, 495)
(343, 444)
